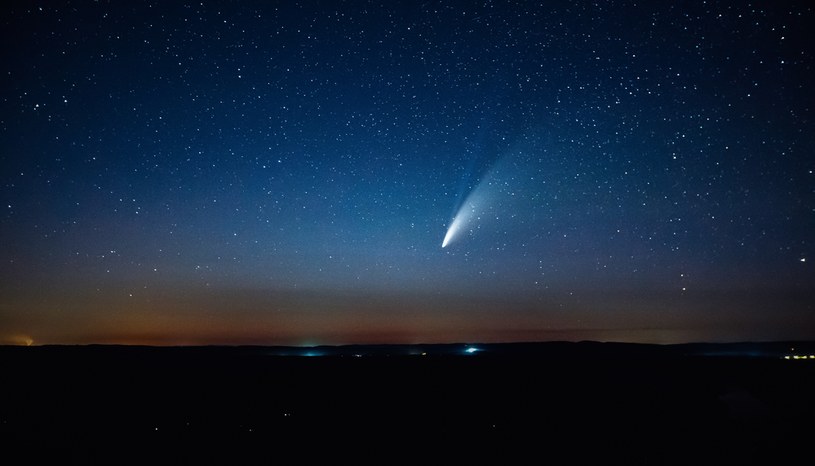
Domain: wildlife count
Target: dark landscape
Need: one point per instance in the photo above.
(541, 403)
(182, 181)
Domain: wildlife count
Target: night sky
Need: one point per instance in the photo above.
(285, 173)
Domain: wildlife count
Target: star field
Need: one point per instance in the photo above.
(285, 172)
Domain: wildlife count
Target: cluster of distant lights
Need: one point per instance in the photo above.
(798, 356)
(310, 352)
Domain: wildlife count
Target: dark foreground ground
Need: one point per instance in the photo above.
(553, 403)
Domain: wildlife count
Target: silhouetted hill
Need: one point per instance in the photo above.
(524, 402)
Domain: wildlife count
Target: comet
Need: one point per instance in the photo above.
(451, 232)
(461, 218)
(494, 193)
(469, 211)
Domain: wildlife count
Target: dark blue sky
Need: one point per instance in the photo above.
(285, 173)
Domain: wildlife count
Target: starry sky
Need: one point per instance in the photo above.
(284, 173)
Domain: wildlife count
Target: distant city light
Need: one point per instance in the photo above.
(471, 350)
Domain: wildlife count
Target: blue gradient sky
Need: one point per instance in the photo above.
(284, 173)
